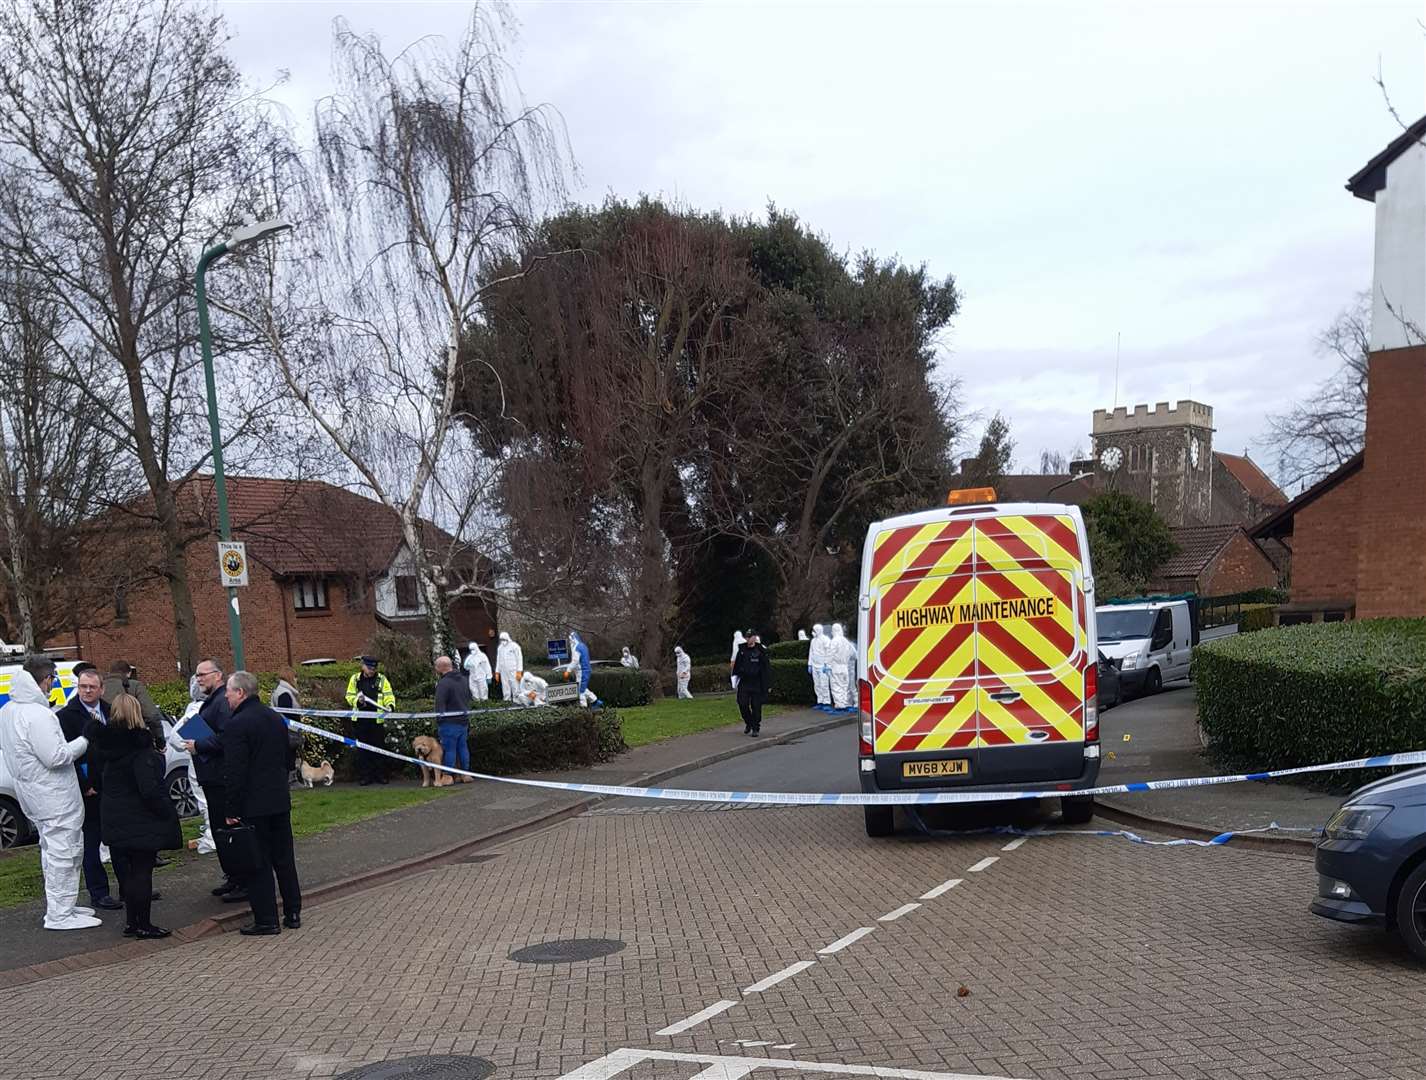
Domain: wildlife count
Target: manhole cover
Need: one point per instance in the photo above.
(566, 952)
(439, 1067)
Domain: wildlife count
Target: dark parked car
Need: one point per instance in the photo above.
(1371, 861)
(1111, 686)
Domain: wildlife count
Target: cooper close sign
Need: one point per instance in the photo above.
(232, 563)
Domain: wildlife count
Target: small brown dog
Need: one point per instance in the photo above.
(429, 749)
(321, 774)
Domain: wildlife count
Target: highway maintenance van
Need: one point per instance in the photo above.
(976, 668)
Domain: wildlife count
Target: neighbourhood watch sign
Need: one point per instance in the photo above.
(232, 563)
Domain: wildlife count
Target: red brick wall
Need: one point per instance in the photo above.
(1325, 548)
(1391, 556)
(273, 633)
(1239, 567)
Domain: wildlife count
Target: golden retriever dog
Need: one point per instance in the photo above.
(321, 774)
(429, 749)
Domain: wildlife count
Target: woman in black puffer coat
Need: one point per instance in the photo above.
(137, 818)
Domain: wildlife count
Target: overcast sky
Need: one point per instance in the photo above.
(1168, 173)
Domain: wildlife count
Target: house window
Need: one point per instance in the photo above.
(407, 598)
(309, 594)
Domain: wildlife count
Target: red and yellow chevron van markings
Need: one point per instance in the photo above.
(960, 720)
(1048, 640)
(899, 550)
(905, 647)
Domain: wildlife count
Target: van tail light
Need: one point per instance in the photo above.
(866, 742)
(1091, 703)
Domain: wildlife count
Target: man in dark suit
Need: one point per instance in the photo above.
(256, 759)
(88, 704)
(207, 755)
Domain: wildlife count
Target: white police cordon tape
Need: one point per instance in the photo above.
(899, 798)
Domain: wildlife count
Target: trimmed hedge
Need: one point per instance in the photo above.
(502, 741)
(1300, 695)
(789, 650)
(1253, 619)
(791, 683)
(625, 688)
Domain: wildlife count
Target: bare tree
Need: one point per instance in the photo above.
(1318, 434)
(427, 170)
(124, 130)
(55, 463)
(1053, 463)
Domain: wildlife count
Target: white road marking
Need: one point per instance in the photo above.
(717, 1067)
(754, 1042)
(1015, 843)
(777, 976)
(697, 1018)
(984, 864)
(785, 1046)
(904, 909)
(941, 889)
(841, 943)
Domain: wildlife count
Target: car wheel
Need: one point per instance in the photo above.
(1077, 810)
(180, 792)
(879, 820)
(14, 828)
(1153, 682)
(1411, 912)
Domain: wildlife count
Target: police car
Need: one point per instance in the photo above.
(978, 668)
(14, 828)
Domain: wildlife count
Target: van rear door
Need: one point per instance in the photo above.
(978, 649)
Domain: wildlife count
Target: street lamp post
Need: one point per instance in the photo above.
(248, 234)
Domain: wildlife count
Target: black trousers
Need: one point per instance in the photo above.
(369, 766)
(273, 833)
(95, 880)
(750, 704)
(134, 869)
(217, 795)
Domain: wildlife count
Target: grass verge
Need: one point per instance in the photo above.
(669, 718)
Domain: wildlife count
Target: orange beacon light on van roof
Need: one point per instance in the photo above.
(967, 496)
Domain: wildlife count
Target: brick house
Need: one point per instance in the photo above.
(1320, 528)
(1215, 560)
(1358, 536)
(1242, 493)
(327, 568)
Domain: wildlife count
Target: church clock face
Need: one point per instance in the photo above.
(1193, 452)
(1111, 458)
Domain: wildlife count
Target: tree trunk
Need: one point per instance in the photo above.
(18, 563)
(653, 570)
(438, 622)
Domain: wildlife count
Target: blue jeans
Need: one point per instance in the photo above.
(455, 747)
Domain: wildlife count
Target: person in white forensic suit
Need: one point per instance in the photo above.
(840, 657)
(738, 641)
(42, 761)
(477, 666)
(682, 671)
(532, 689)
(509, 666)
(629, 660)
(819, 666)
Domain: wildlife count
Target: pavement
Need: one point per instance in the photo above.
(768, 943)
(1156, 738)
(360, 855)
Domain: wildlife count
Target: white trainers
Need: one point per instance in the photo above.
(72, 922)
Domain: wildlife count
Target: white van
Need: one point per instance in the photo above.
(975, 669)
(1152, 641)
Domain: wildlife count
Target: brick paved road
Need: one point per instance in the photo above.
(1084, 958)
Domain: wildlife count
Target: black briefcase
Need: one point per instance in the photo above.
(237, 849)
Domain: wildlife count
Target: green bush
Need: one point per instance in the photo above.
(171, 696)
(1312, 693)
(624, 688)
(789, 650)
(1258, 618)
(791, 684)
(503, 740)
(404, 661)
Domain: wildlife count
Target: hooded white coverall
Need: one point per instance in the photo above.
(508, 661)
(738, 639)
(478, 665)
(683, 671)
(840, 656)
(629, 660)
(42, 763)
(819, 664)
(532, 690)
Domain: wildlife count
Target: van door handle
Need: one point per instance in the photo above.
(1005, 695)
